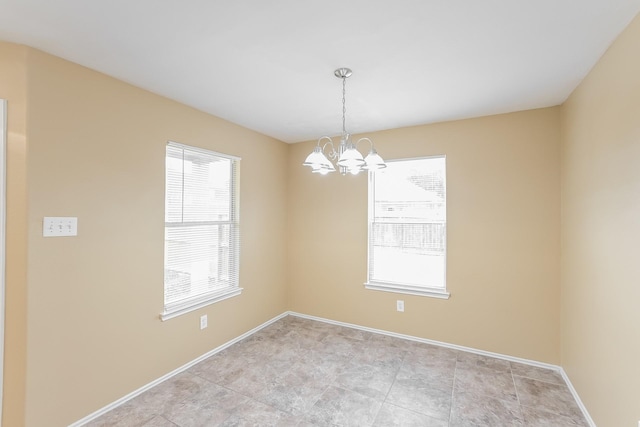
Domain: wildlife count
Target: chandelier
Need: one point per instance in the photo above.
(346, 157)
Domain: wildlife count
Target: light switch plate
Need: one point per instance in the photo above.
(59, 226)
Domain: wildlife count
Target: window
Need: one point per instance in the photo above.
(408, 227)
(201, 244)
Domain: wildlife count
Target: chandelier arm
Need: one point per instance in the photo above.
(331, 154)
(364, 139)
(323, 138)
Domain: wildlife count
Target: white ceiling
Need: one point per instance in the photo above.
(268, 65)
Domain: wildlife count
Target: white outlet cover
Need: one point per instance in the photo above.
(203, 321)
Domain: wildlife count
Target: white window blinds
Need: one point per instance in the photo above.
(202, 244)
(407, 227)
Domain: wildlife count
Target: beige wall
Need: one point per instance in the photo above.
(96, 151)
(600, 235)
(13, 88)
(503, 212)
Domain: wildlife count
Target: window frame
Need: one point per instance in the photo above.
(398, 287)
(177, 308)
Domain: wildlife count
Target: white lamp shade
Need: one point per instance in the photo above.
(316, 158)
(351, 158)
(319, 162)
(374, 161)
(326, 164)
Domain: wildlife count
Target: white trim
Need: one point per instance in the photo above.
(190, 305)
(3, 246)
(201, 299)
(407, 289)
(201, 150)
(182, 368)
(577, 398)
(401, 288)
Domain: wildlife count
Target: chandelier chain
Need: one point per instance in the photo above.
(344, 104)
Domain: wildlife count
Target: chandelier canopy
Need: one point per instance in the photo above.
(347, 157)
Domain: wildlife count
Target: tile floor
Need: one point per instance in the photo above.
(299, 372)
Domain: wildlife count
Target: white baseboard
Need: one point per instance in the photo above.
(578, 400)
(183, 368)
(462, 348)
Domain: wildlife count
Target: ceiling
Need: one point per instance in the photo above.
(268, 65)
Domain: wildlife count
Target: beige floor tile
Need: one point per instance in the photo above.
(485, 381)
(472, 360)
(478, 410)
(255, 413)
(211, 406)
(421, 396)
(536, 373)
(538, 417)
(554, 398)
(340, 407)
(394, 416)
(370, 380)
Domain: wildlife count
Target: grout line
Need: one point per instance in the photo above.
(453, 388)
(515, 388)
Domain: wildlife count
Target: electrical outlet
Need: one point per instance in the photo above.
(203, 321)
(400, 305)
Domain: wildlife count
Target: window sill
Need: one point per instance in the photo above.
(408, 289)
(186, 307)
